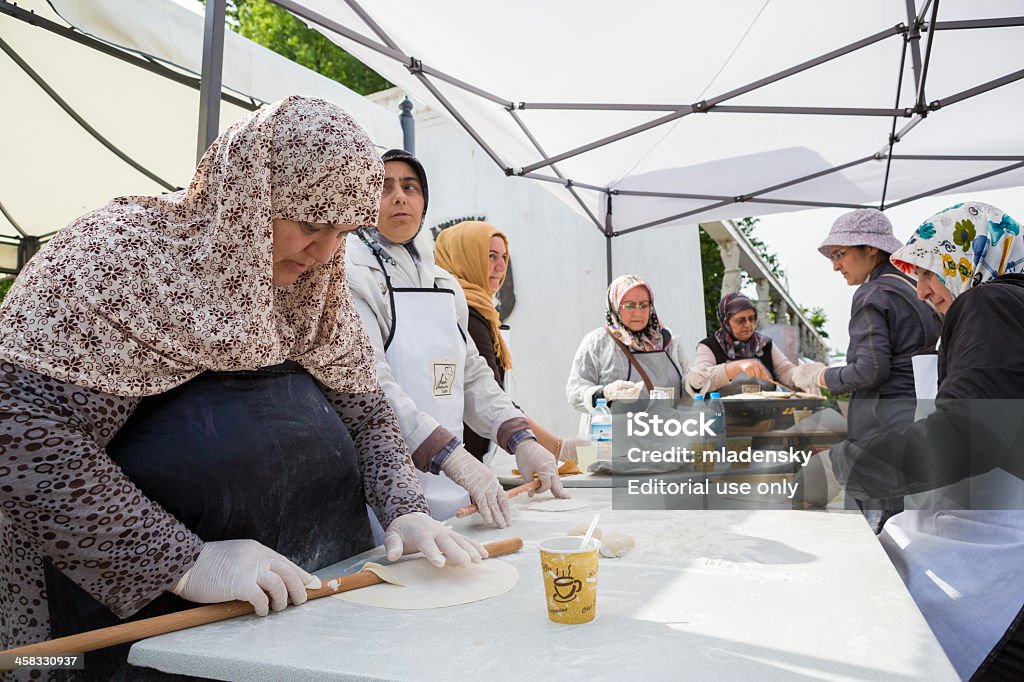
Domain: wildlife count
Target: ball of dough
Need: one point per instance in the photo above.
(614, 545)
(580, 529)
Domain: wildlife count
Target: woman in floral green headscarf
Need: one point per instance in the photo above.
(960, 550)
(960, 248)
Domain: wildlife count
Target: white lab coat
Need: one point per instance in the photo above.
(487, 407)
(599, 361)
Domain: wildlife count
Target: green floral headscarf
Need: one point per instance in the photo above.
(964, 245)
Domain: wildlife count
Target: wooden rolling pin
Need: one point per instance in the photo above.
(463, 512)
(211, 613)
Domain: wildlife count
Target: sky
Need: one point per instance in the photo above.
(812, 282)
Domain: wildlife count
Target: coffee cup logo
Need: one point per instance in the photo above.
(566, 587)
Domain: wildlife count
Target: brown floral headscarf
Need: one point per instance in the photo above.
(145, 293)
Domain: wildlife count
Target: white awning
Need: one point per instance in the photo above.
(53, 170)
(693, 111)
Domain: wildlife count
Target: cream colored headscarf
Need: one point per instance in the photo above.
(463, 250)
(147, 292)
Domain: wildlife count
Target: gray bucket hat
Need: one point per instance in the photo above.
(863, 227)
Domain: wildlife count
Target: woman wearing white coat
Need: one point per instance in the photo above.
(612, 360)
(416, 316)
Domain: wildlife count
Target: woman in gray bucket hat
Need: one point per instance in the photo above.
(888, 326)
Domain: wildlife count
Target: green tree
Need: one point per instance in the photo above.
(5, 285)
(713, 270)
(817, 317)
(277, 29)
(747, 226)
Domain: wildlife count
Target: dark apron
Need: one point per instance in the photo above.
(255, 455)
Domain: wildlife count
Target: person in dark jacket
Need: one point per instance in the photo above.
(888, 326)
(960, 549)
(476, 254)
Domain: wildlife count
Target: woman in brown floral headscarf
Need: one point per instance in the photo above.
(181, 371)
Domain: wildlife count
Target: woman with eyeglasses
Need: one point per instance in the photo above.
(629, 356)
(888, 323)
(738, 355)
(888, 326)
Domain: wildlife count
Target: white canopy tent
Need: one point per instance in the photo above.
(101, 100)
(656, 113)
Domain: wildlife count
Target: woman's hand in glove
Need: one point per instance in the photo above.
(532, 458)
(816, 484)
(481, 484)
(623, 390)
(749, 366)
(417, 532)
(805, 377)
(245, 570)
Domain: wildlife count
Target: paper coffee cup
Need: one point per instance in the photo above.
(570, 578)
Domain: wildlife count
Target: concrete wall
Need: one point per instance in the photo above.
(558, 260)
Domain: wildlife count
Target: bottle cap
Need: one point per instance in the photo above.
(699, 397)
(716, 396)
(602, 401)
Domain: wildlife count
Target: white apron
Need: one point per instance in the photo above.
(427, 355)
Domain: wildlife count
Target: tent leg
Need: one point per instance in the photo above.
(210, 83)
(608, 239)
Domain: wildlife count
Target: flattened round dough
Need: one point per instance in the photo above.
(557, 504)
(429, 587)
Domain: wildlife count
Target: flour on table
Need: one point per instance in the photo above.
(418, 584)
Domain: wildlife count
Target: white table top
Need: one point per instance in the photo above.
(728, 595)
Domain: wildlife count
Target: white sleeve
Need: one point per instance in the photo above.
(584, 377)
(783, 367)
(706, 375)
(487, 407)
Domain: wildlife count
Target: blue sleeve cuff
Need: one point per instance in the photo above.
(439, 458)
(518, 438)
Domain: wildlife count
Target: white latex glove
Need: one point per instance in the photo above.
(623, 390)
(532, 458)
(567, 453)
(749, 366)
(805, 377)
(417, 532)
(816, 482)
(481, 484)
(245, 570)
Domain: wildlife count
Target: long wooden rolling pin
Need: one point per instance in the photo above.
(463, 512)
(211, 613)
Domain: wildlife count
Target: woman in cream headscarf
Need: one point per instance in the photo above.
(146, 457)
(476, 253)
(961, 548)
(606, 363)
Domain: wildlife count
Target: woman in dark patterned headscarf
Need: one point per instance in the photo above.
(142, 441)
(737, 353)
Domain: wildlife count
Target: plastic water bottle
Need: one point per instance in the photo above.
(717, 410)
(601, 430)
(701, 444)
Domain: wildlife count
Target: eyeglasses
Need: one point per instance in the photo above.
(644, 306)
(749, 319)
(837, 256)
